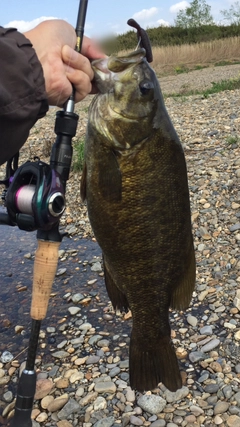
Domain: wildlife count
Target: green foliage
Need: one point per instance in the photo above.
(221, 86)
(232, 140)
(194, 16)
(233, 14)
(78, 155)
(170, 36)
(181, 69)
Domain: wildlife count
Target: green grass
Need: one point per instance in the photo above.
(78, 155)
(179, 69)
(222, 63)
(216, 87)
(232, 140)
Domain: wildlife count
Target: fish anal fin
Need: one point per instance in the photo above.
(182, 295)
(118, 298)
(110, 178)
(150, 366)
(83, 186)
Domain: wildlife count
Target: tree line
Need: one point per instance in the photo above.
(194, 24)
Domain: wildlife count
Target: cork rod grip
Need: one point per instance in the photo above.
(45, 266)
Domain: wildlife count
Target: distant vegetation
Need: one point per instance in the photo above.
(173, 36)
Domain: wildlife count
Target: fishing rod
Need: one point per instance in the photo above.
(35, 200)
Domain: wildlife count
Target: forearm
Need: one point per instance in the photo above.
(23, 98)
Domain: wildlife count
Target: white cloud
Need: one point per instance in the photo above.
(145, 14)
(163, 23)
(179, 6)
(23, 26)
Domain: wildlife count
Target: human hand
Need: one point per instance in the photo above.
(54, 42)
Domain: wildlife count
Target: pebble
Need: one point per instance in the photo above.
(105, 387)
(221, 407)
(74, 310)
(151, 403)
(210, 345)
(6, 357)
(192, 320)
(71, 407)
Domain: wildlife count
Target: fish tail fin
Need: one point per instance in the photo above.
(118, 298)
(150, 365)
(182, 295)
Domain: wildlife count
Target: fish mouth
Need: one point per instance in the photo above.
(105, 69)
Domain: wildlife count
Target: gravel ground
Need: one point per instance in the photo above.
(86, 383)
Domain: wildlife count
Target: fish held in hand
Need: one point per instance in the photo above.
(135, 184)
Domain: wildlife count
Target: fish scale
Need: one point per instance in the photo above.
(135, 184)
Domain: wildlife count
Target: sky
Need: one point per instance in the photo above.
(104, 17)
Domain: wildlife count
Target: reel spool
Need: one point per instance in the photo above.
(35, 197)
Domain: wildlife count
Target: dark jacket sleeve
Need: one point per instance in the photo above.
(23, 98)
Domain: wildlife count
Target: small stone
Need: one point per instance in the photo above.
(192, 320)
(206, 330)
(60, 354)
(233, 421)
(195, 356)
(211, 388)
(136, 421)
(6, 357)
(210, 345)
(159, 423)
(130, 395)
(46, 401)
(105, 422)
(172, 396)
(61, 271)
(71, 407)
(105, 387)
(218, 420)
(18, 329)
(43, 388)
(51, 329)
(64, 423)
(100, 404)
(96, 267)
(91, 360)
(42, 417)
(74, 310)
(151, 403)
(8, 396)
(196, 410)
(62, 383)
(221, 407)
(236, 300)
(58, 403)
(77, 297)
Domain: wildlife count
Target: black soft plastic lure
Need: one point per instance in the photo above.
(143, 39)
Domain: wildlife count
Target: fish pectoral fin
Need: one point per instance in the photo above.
(110, 178)
(83, 185)
(154, 363)
(118, 298)
(182, 295)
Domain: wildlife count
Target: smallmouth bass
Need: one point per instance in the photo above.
(135, 184)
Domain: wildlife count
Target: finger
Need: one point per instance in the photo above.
(81, 83)
(76, 61)
(91, 49)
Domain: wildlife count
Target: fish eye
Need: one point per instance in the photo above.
(145, 86)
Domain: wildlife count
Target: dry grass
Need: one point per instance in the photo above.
(176, 59)
(172, 59)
